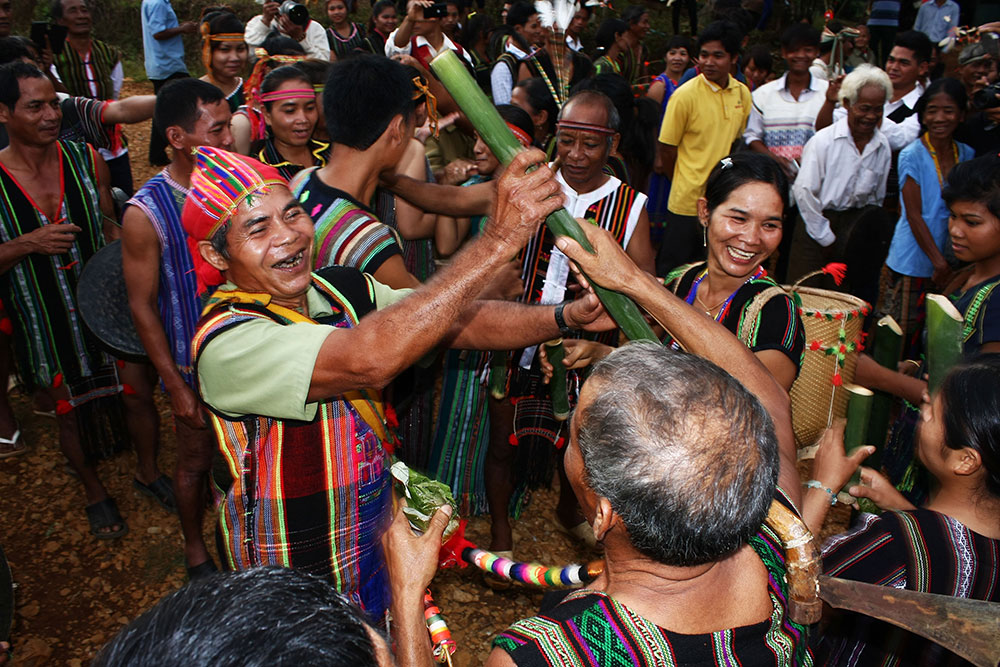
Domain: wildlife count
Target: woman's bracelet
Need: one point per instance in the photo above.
(816, 484)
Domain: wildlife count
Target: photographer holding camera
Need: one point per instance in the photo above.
(291, 19)
(420, 34)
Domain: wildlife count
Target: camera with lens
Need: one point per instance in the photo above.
(296, 12)
(987, 98)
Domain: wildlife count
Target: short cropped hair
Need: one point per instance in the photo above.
(177, 102)
(975, 180)
(520, 13)
(916, 41)
(798, 35)
(263, 616)
(16, 48)
(10, 81)
(861, 77)
(380, 89)
(722, 31)
(686, 456)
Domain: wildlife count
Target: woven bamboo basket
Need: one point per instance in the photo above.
(833, 322)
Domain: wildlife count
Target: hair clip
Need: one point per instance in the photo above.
(726, 162)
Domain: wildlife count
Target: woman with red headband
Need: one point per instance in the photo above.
(288, 104)
(224, 54)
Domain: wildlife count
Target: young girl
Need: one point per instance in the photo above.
(917, 256)
(224, 54)
(346, 37)
(381, 24)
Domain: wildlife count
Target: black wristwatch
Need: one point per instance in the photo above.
(561, 321)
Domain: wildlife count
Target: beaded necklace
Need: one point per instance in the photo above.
(693, 293)
(937, 165)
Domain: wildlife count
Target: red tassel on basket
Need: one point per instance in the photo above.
(63, 406)
(835, 270)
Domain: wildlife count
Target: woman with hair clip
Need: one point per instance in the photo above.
(288, 103)
(742, 214)
(224, 53)
(949, 546)
(346, 37)
(380, 25)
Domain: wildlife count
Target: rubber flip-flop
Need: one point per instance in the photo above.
(105, 514)
(161, 490)
(16, 446)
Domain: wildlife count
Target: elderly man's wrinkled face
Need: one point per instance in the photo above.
(269, 243)
(584, 153)
(864, 115)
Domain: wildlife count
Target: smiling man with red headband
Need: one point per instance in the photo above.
(291, 363)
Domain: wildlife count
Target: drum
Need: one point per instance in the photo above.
(103, 302)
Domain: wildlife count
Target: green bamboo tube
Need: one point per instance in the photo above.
(498, 375)
(859, 410)
(886, 352)
(944, 339)
(555, 352)
(494, 131)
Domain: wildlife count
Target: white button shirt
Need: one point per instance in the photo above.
(834, 175)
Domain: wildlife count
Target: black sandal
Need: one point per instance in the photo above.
(105, 514)
(161, 490)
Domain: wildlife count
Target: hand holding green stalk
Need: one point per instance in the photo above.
(494, 131)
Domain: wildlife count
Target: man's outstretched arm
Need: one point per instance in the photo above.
(394, 338)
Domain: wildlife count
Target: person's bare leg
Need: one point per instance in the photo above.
(195, 449)
(497, 474)
(69, 443)
(142, 419)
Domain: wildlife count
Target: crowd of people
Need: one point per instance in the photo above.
(333, 271)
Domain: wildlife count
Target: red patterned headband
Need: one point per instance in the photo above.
(585, 127)
(520, 134)
(288, 94)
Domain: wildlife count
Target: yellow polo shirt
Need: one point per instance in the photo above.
(702, 120)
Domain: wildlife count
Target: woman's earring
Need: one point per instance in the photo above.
(704, 235)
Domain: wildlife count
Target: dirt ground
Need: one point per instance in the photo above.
(75, 592)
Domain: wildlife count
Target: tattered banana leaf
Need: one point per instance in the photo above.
(423, 498)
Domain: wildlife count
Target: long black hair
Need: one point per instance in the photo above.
(971, 395)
